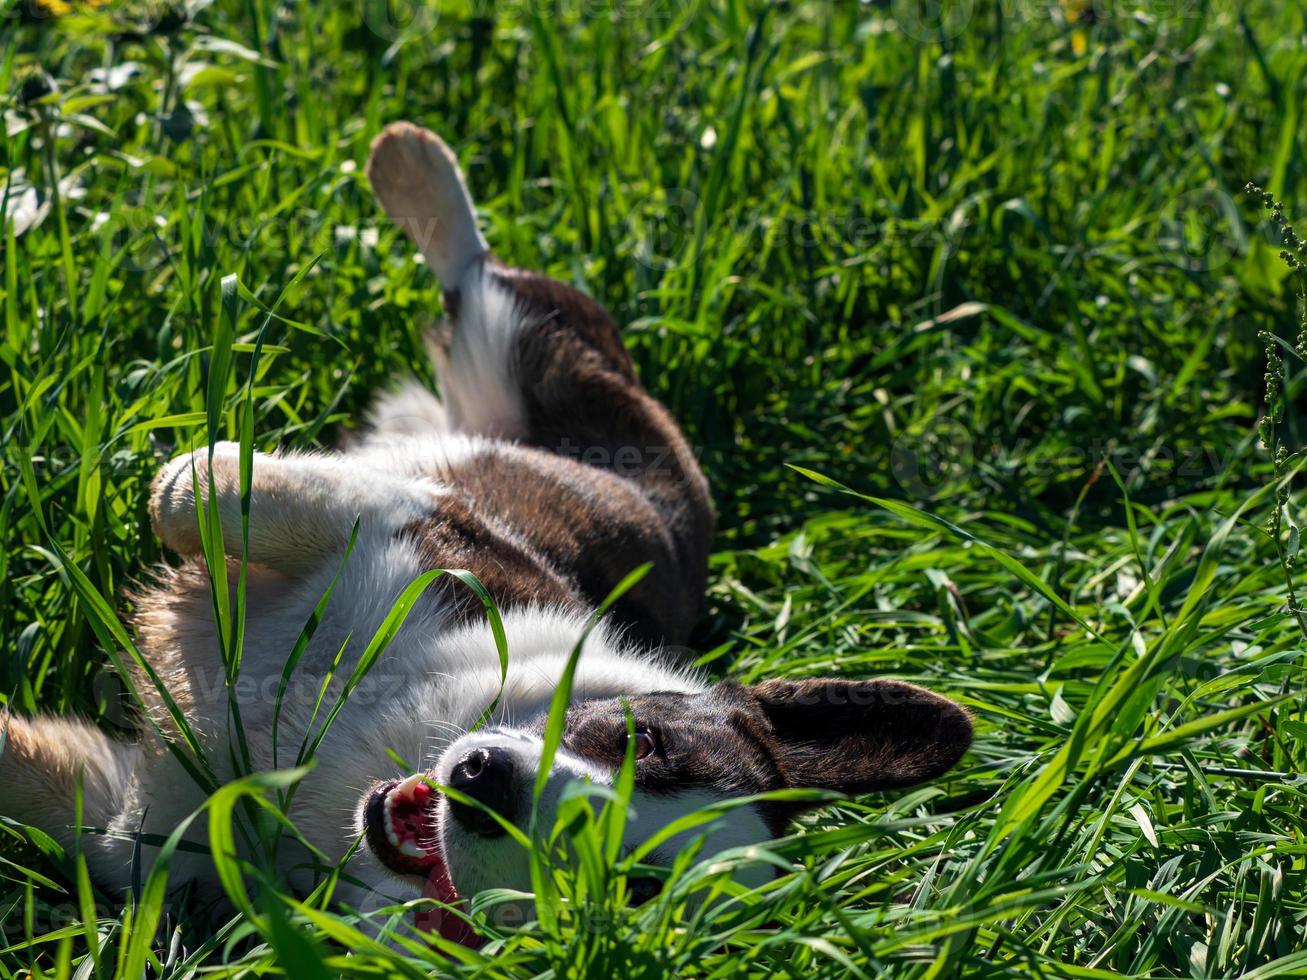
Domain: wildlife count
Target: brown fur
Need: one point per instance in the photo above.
(45, 759)
(592, 478)
(612, 483)
(848, 736)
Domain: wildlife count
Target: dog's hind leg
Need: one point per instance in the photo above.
(42, 762)
(417, 181)
(527, 357)
(536, 361)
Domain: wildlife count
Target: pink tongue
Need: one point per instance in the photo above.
(431, 919)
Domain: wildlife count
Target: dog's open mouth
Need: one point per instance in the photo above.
(400, 820)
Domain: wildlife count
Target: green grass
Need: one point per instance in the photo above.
(957, 271)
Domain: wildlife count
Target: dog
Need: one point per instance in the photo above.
(549, 472)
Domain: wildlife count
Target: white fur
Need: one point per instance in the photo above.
(410, 411)
(418, 182)
(302, 505)
(431, 684)
(650, 813)
(477, 374)
(435, 677)
(478, 862)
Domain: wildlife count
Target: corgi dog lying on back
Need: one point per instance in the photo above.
(547, 470)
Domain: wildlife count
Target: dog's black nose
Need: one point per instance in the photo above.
(485, 775)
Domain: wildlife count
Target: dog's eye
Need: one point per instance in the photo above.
(645, 744)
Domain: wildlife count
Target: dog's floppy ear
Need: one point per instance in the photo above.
(860, 736)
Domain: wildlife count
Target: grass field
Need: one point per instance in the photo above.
(996, 275)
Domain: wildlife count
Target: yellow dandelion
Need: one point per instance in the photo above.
(61, 8)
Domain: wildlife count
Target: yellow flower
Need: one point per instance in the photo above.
(60, 8)
(1074, 10)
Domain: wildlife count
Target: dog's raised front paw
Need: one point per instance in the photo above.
(173, 496)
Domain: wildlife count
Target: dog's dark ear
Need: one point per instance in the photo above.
(860, 736)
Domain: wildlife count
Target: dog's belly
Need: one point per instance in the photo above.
(540, 533)
(548, 537)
